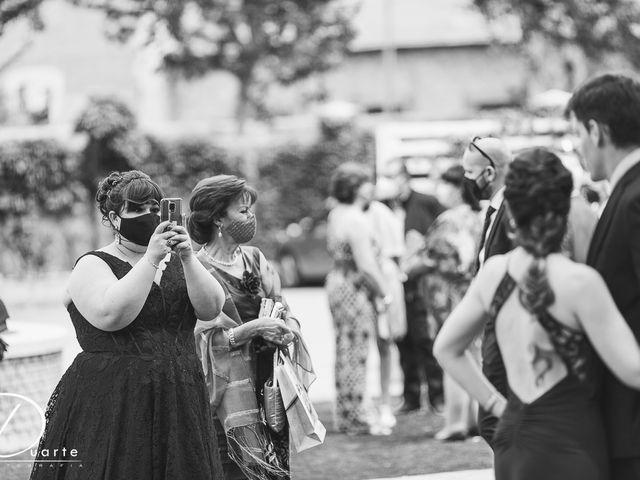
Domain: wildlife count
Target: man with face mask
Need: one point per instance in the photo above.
(485, 163)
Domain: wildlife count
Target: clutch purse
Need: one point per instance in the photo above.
(274, 412)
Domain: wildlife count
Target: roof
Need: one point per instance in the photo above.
(427, 24)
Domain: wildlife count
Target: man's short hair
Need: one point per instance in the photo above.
(612, 100)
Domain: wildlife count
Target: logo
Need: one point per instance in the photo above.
(22, 423)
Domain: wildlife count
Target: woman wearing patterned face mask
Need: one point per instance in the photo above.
(237, 351)
(134, 403)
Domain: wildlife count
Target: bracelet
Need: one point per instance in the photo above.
(152, 264)
(232, 338)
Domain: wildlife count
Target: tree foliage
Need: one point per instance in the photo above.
(13, 9)
(258, 41)
(114, 141)
(38, 193)
(36, 176)
(597, 27)
(177, 165)
(294, 181)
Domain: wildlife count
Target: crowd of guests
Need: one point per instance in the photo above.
(531, 295)
(506, 277)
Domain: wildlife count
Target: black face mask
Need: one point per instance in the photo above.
(474, 190)
(139, 229)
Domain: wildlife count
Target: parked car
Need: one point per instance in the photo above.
(302, 258)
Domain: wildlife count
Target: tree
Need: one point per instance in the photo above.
(597, 27)
(258, 41)
(39, 189)
(13, 9)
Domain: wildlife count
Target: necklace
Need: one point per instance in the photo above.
(220, 262)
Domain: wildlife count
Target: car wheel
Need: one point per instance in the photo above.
(289, 274)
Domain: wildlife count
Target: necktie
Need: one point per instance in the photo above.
(485, 228)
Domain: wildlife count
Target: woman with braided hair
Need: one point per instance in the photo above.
(133, 404)
(555, 323)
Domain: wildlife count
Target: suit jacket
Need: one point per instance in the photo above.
(615, 253)
(420, 212)
(497, 243)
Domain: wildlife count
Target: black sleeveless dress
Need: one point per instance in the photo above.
(133, 403)
(560, 435)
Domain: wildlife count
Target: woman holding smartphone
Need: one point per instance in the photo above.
(133, 404)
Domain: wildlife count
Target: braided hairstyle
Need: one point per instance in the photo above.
(119, 187)
(538, 193)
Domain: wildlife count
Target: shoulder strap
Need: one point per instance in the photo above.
(114, 263)
(251, 256)
(502, 293)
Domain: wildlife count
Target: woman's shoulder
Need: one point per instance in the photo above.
(93, 266)
(573, 277)
(490, 275)
(94, 257)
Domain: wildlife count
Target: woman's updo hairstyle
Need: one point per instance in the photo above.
(119, 187)
(346, 180)
(209, 202)
(538, 193)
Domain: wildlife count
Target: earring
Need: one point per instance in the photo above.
(219, 231)
(118, 238)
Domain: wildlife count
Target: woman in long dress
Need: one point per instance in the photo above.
(448, 256)
(355, 289)
(133, 403)
(555, 321)
(237, 350)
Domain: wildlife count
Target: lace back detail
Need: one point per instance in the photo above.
(571, 345)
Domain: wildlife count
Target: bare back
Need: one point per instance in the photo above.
(530, 344)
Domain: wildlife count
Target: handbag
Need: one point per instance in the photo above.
(305, 429)
(274, 411)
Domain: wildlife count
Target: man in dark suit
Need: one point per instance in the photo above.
(485, 164)
(416, 348)
(606, 116)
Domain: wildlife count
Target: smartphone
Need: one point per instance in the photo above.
(171, 209)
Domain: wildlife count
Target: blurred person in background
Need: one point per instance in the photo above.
(416, 355)
(582, 219)
(392, 323)
(356, 292)
(554, 321)
(133, 403)
(449, 255)
(485, 163)
(237, 349)
(4, 316)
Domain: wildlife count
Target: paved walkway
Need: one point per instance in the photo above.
(462, 475)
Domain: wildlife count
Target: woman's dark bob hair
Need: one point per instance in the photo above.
(346, 180)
